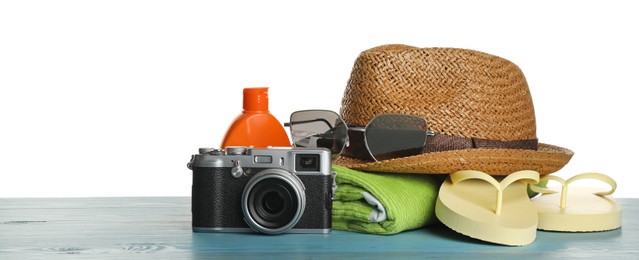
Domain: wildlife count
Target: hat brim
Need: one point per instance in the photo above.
(545, 160)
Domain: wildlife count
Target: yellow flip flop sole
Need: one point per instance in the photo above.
(578, 209)
(475, 204)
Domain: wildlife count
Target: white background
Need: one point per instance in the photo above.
(110, 98)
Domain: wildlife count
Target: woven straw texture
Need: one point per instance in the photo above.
(460, 92)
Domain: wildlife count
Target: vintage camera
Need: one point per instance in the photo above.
(271, 190)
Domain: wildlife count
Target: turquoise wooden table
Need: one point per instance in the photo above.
(153, 228)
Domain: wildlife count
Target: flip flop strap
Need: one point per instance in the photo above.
(564, 185)
(526, 176)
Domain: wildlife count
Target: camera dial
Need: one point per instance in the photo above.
(237, 170)
(236, 150)
(212, 151)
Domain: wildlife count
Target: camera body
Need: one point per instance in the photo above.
(271, 190)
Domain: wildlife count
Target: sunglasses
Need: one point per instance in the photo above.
(385, 137)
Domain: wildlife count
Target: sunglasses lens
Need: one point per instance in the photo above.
(318, 129)
(392, 136)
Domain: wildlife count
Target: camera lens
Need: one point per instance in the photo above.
(273, 201)
(307, 162)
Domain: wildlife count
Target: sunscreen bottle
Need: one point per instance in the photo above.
(255, 126)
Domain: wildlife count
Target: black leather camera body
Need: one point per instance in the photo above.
(270, 190)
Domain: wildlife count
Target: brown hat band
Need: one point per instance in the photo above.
(439, 143)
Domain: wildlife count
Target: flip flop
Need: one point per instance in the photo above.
(580, 210)
(473, 203)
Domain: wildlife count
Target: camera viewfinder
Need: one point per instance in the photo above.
(307, 162)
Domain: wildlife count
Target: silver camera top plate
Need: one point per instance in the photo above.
(297, 160)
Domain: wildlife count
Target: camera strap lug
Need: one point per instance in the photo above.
(190, 163)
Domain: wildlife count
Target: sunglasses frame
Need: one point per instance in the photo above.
(427, 133)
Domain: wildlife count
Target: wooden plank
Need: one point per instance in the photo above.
(161, 228)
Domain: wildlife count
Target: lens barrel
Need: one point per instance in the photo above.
(273, 201)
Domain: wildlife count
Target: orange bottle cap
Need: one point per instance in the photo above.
(255, 99)
(255, 126)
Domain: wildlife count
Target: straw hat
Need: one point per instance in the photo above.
(478, 104)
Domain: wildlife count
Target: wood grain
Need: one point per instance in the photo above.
(159, 228)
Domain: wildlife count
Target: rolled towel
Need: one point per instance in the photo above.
(379, 203)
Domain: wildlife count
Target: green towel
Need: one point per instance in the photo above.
(407, 201)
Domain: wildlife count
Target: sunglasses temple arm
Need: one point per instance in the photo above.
(288, 124)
